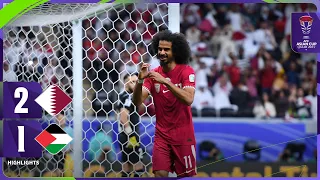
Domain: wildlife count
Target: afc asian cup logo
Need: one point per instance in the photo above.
(306, 23)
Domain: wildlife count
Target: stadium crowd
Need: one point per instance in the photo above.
(244, 62)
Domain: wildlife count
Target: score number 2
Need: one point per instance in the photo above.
(24, 97)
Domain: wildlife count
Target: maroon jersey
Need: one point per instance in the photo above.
(173, 118)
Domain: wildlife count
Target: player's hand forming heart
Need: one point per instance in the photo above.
(157, 77)
(144, 71)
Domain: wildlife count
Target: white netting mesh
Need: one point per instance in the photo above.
(115, 40)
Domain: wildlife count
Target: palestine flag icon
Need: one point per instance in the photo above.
(53, 139)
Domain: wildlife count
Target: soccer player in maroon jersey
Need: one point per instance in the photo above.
(172, 86)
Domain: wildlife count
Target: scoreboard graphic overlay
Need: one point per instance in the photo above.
(23, 137)
(23, 104)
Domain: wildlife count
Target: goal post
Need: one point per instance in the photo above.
(77, 96)
(174, 17)
(62, 44)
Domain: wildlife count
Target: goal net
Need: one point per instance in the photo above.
(86, 49)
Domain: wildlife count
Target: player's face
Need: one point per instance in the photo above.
(165, 52)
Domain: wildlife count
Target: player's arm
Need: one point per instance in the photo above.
(124, 113)
(139, 93)
(185, 95)
(124, 118)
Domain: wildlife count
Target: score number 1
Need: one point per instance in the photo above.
(24, 97)
(21, 139)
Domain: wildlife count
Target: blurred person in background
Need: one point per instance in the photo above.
(49, 76)
(209, 151)
(302, 104)
(234, 71)
(222, 90)
(293, 75)
(203, 97)
(286, 156)
(101, 146)
(239, 96)
(8, 74)
(293, 152)
(312, 98)
(201, 73)
(252, 82)
(193, 34)
(268, 75)
(264, 108)
(279, 82)
(34, 70)
(213, 75)
(292, 111)
(129, 137)
(281, 104)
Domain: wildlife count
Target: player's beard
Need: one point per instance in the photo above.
(163, 62)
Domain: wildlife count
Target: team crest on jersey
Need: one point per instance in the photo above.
(191, 77)
(157, 87)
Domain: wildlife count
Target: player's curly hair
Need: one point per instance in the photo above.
(180, 47)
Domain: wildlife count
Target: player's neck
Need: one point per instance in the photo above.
(169, 67)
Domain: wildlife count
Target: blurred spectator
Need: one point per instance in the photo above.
(203, 97)
(293, 75)
(268, 75)
(280, 81)
(286, 156)
(236, 20)
(293, 152)
(227, 45)
(34, 70)
(252, 151)
(213, 75)
(210, 152)
(264, 36)
(101, 146)
(193, 35)
(201, 74)
(234, 71)
(8, 74)
(222, 91)
(312, 98)
(239, 96)
(302, 104)
(49, 76)
(252, 82)
(281, 104)
(264, 109)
